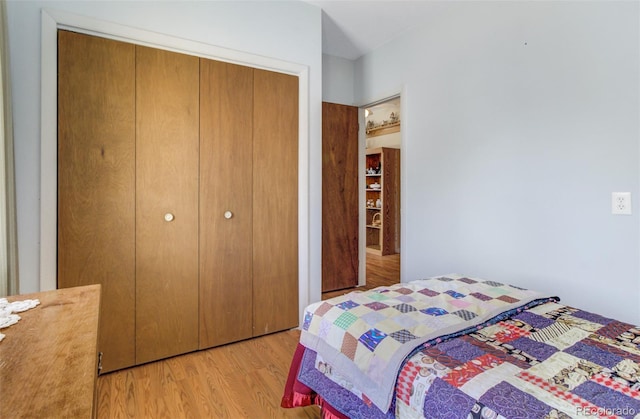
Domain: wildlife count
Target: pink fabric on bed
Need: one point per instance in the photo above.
(297, 394)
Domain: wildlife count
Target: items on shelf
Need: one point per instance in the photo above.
(383, 204)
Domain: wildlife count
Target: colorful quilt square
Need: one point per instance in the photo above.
(455, 294)
(615, 346)
(345, 320)
(372, 338)
(404, 308)
(323, 309)
(629, 371)
(553, 366)
(465, 314)
(631, 338)
(580, 323)
(572, 376)
(467, 280)
(594, 318)
(493, 283)
(373, 318)
(614, 329)
(459, 376)
(493, 374)
(428, 292)
(403, 336)
(559, 335)
(325, 327)
(494, 292)
(445, 279)
(508, 299)
(460, 303)
(404, 385)
(444, 401)
(405, 298)
(347, 305)
(349, 346)
(559, 311)
(480, 296)
(377, 296)
(461, 350)
(443, 358)
(404, 291)
(594, 354)
(509, 332)
(538, 350)
(534, 320)
(510, 402)
(434, 311)
(307, 320)
(376, 306)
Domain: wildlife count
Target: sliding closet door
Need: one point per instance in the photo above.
(275, 197)
(226, 146)
(167, 142)
(96, 182)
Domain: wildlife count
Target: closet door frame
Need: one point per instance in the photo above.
(54, 20)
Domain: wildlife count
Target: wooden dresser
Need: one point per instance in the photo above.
(48, 360)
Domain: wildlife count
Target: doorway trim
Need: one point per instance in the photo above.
(362, 144)
(52, 20)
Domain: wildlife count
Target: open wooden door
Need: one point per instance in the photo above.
(339, 196)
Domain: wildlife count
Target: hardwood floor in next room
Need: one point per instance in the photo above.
(239, 380)
(381, 270)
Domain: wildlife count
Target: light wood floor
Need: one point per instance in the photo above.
(381, 270)
(240, 380)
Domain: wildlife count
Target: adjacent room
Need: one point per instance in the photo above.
(200, 198)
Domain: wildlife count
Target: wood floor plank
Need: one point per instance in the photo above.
(239, 380)
(381, 270)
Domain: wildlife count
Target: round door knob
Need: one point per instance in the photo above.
(228, 214)
(168, 217)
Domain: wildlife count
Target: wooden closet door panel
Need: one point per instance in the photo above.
(339, 196)
(275, 200)
(226, 260)
(167, 114)
(96, 182)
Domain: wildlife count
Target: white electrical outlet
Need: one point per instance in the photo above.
(621, 203)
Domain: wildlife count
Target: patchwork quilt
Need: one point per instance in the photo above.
(540, 359)
(367, 335)
(551, 361)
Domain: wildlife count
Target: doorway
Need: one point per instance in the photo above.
(375, 199)
(380, 221)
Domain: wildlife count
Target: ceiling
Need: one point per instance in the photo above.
(352, 28)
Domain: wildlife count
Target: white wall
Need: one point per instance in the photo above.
(519, 120)
(337, 80)
(288, 31)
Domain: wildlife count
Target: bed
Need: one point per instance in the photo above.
(460, 347)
